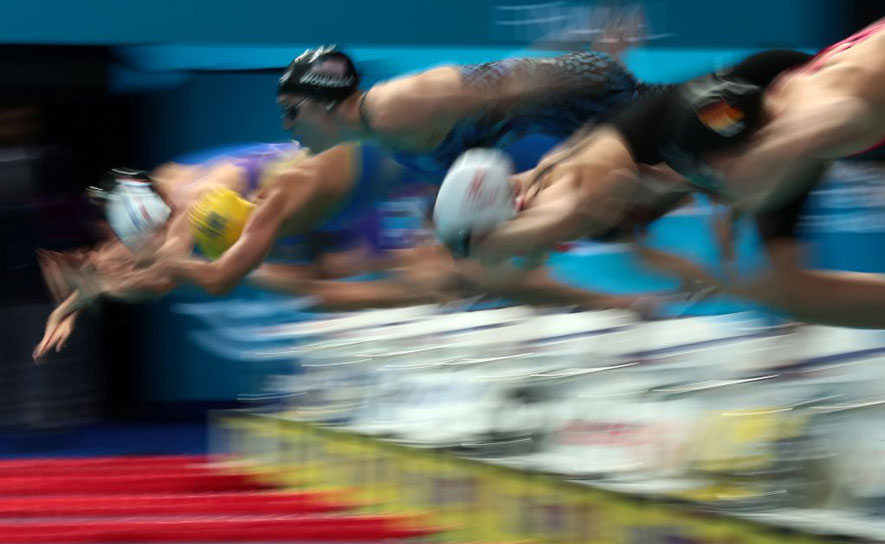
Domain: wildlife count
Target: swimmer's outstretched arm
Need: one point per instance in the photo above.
(536, 287)
(105, 272)
(220, 276)
(301, 197)
(590, 209)
(842, 299)
(768, 171)
(60, 324)
(61, 321)
(343, 295)
(831, 298)
(178, 240)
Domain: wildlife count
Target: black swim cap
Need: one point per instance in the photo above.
(320, 73)
(708, 115)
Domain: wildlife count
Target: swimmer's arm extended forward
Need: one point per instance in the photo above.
(536, 287)
(589, 210)
(300, 198)
(842, 299)
(178, 240)
(222, 275)
(845, 299)
(134, 287)
(339, 295)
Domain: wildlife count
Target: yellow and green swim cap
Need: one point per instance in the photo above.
(217, 219)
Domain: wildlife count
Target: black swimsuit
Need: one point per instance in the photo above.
(640, 125)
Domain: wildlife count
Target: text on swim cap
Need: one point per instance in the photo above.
(476, 196)
(214, 225)
(325, 80)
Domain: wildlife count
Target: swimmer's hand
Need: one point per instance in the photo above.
(693, 277)
(654, 306)
(58, 331)
(432, 272)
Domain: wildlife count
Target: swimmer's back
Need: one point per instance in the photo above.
(854, 66)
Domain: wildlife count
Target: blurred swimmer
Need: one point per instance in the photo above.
(239, 246)
(207, 205)
(248, 237)
(319, 193)
(692, 129)
(830, 107)
(588, 189)
(429, 118)
(161, 217)
(761, 139)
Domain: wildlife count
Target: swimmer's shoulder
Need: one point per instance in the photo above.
(330, 173)
(222, 175)
(439, 79)
(426, 98)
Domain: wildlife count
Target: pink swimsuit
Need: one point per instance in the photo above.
(821, 58)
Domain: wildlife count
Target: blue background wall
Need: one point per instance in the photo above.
(171, 50)
(755, 23)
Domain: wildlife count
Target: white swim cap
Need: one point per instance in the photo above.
(475, 196)
(133, 209)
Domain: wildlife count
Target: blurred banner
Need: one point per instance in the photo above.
(520, 425)
(477, 501)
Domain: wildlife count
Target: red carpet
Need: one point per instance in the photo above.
(171, 499)
(124, 483)
(72, 464)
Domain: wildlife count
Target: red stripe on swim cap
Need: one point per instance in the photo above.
(476, 185)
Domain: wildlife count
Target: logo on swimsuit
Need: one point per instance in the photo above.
(722, 118)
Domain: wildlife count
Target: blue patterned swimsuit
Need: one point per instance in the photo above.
(573, 90)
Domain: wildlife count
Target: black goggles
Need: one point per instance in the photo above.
(460, 246)
(290, 111)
